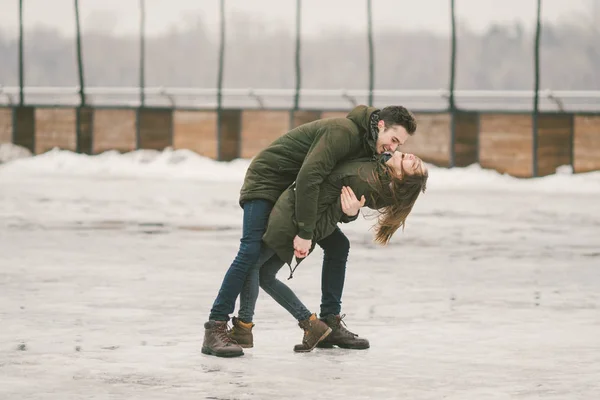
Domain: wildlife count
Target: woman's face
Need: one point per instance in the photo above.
(408, 164)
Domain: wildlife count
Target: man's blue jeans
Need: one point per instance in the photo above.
(256, 217)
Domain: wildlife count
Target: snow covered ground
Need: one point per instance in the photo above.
(109, 265)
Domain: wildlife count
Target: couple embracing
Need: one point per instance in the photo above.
(295, 193)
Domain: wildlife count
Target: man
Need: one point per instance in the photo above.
(306, 155)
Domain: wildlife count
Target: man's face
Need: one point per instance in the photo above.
(390, 137)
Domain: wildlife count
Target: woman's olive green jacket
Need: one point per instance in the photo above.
(282, 226)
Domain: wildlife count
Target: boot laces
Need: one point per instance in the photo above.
(222, 332)
(342, 328)
(305, 325)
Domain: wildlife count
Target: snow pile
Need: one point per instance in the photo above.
(187, 165)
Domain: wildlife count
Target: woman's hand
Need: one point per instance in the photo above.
(350, 204)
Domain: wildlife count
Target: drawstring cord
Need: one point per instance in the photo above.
(292, 270)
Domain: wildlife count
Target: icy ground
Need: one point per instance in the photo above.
(109, 266)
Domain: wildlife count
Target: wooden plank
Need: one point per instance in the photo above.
(554, 142)
(229, 142)
(24, 127)
(506, 143)
(302, 117)
(6, 124)
(196, 131)
(85, 117)
(260, 128)
(466, 136)
(586, 143)
(113, 129)
(55, 127)
(431, 141)
(155, 127)
(334, 114)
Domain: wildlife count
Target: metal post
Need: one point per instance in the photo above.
(220, 77)
(297, 61)
(142, 73)
(81, 112)
(371, 50)
(536, 99)
(221, 55)
(451, 103)
(142, 51)
(79, 55)
(21, 75)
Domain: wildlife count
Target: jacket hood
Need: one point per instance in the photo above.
(361, 116)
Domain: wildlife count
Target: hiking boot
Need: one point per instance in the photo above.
(340, 336)
(242, 333)
(315, 330)
(216, 341)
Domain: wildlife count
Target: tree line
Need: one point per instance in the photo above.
(501, 58)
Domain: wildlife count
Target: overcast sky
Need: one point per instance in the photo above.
(122, 16)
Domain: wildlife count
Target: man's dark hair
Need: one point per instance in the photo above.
(398, 115)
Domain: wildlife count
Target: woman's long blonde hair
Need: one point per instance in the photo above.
(394, 198)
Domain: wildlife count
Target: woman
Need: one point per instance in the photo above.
(389, 184)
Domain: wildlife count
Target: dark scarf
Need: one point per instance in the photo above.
(373, 132)
(373, 128)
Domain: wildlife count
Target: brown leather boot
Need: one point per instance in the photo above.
(242, 333)
(315, 330)
(216, 341)
(340, 336)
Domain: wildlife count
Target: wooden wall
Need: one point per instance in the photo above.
(85, 116)
(154, 128)
(554, 142)
(466, 138)
(506, 143)
(260, 128)
(431, 141)
(6, 125)
(55, 127)
(304, 116)
(229, 142)
(503, 142)
(196, 131)
(334, 114)
(113, 129)
(586, 151)
(24, 127)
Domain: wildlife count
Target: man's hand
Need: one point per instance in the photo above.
(301, 246)
(350, 204)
